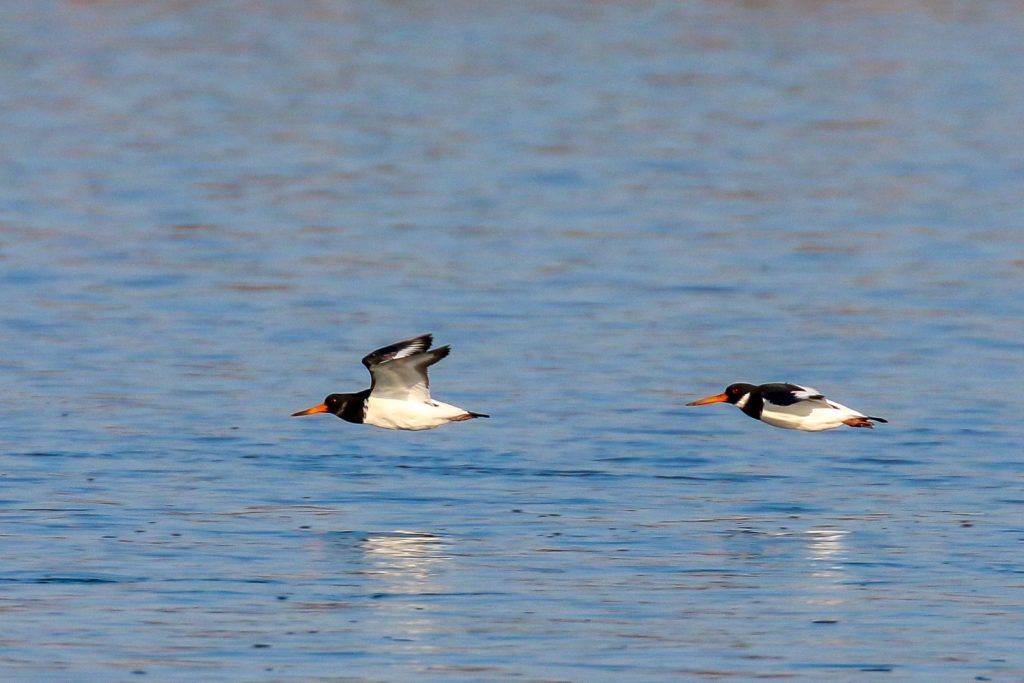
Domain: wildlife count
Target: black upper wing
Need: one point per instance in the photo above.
(402, 349)
(785, 394)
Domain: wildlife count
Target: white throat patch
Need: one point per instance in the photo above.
(743, 401)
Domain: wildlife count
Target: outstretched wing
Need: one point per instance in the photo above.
(790, 394)
(399, 371)
(398, 350)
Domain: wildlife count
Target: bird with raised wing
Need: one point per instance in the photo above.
(399, 393)
(790, 406)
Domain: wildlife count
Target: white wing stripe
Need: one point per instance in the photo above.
(410, 350)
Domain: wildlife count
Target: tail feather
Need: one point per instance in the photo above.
(468, 415)
(864, 421)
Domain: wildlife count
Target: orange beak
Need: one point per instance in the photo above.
(322, 408)
(720, 398)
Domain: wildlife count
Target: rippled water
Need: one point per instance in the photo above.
(210, 211)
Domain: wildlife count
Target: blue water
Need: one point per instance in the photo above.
(210, 211)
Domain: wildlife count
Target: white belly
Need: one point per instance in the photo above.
(807, 416)
(388, 413)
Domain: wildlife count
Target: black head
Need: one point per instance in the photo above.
(334, 404)
(737, 391)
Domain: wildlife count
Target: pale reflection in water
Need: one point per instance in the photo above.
(827, 553)
(407, 560)
(826, 546)
(407, 566)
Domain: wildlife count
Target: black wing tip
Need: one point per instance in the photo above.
(424, 340)
(878, 419)
(432, 356)
(477, 414)
(386, 353)
(427, 339)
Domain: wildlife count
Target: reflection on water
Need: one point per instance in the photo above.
(210, 211)
(406, 568)
(826, 550)
(406, 561)
(828, 576)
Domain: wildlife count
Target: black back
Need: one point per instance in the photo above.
(783, 394)
(776, 393)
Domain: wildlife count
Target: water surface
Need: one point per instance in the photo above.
(210, 211)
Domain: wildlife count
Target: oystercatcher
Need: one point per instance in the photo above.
(790, 406)
(399, 393)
